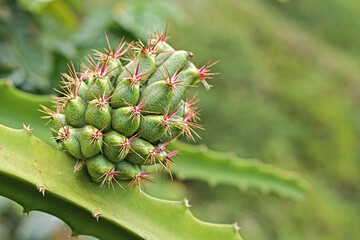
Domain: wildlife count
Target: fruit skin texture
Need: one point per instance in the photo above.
(125, 93)
(123, 123)
(159, 95)
(127, 171)
(71, 143)
(112, 146)
(151, 129)
(90, 146)
(98, 115)
(97, 166)
(75, 112)
(140, 153)
(117, 116)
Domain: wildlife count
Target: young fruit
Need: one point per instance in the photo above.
(118, 112)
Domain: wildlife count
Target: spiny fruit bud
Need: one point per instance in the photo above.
(118, 113)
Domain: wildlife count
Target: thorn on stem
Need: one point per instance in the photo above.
(237, 228)
(27, 128)
(186, 201)
(26, 212)
(42, 190)
(96, 215)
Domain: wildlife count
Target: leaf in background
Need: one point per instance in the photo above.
(31, 63)
(27, 163)
(92, 29)
(139, 17)
(33, 6)
(18, 107)
(219, 168)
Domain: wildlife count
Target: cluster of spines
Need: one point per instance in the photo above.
(117, 114)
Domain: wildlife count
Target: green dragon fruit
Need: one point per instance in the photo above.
(118, 113)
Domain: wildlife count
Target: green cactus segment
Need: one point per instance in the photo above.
(123, 122)
(98, 167)
(58, 121)
(158, 96)
(219, 168)
(83, 89)
(119, 98)
(27, 163)
(91, 141)
(140, 152)
(143, 65)
(75, 112)
(112, 146)
(98, 87)
(186, 79)
(175, 63)
(71, 143)
(98, 115)
(175, 101)
(151, 128)
(125, 93)
(126, 170)
(164, 52)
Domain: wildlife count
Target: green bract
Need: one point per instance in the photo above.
(117, 116)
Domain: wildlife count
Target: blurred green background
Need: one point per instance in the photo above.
(288, 94)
